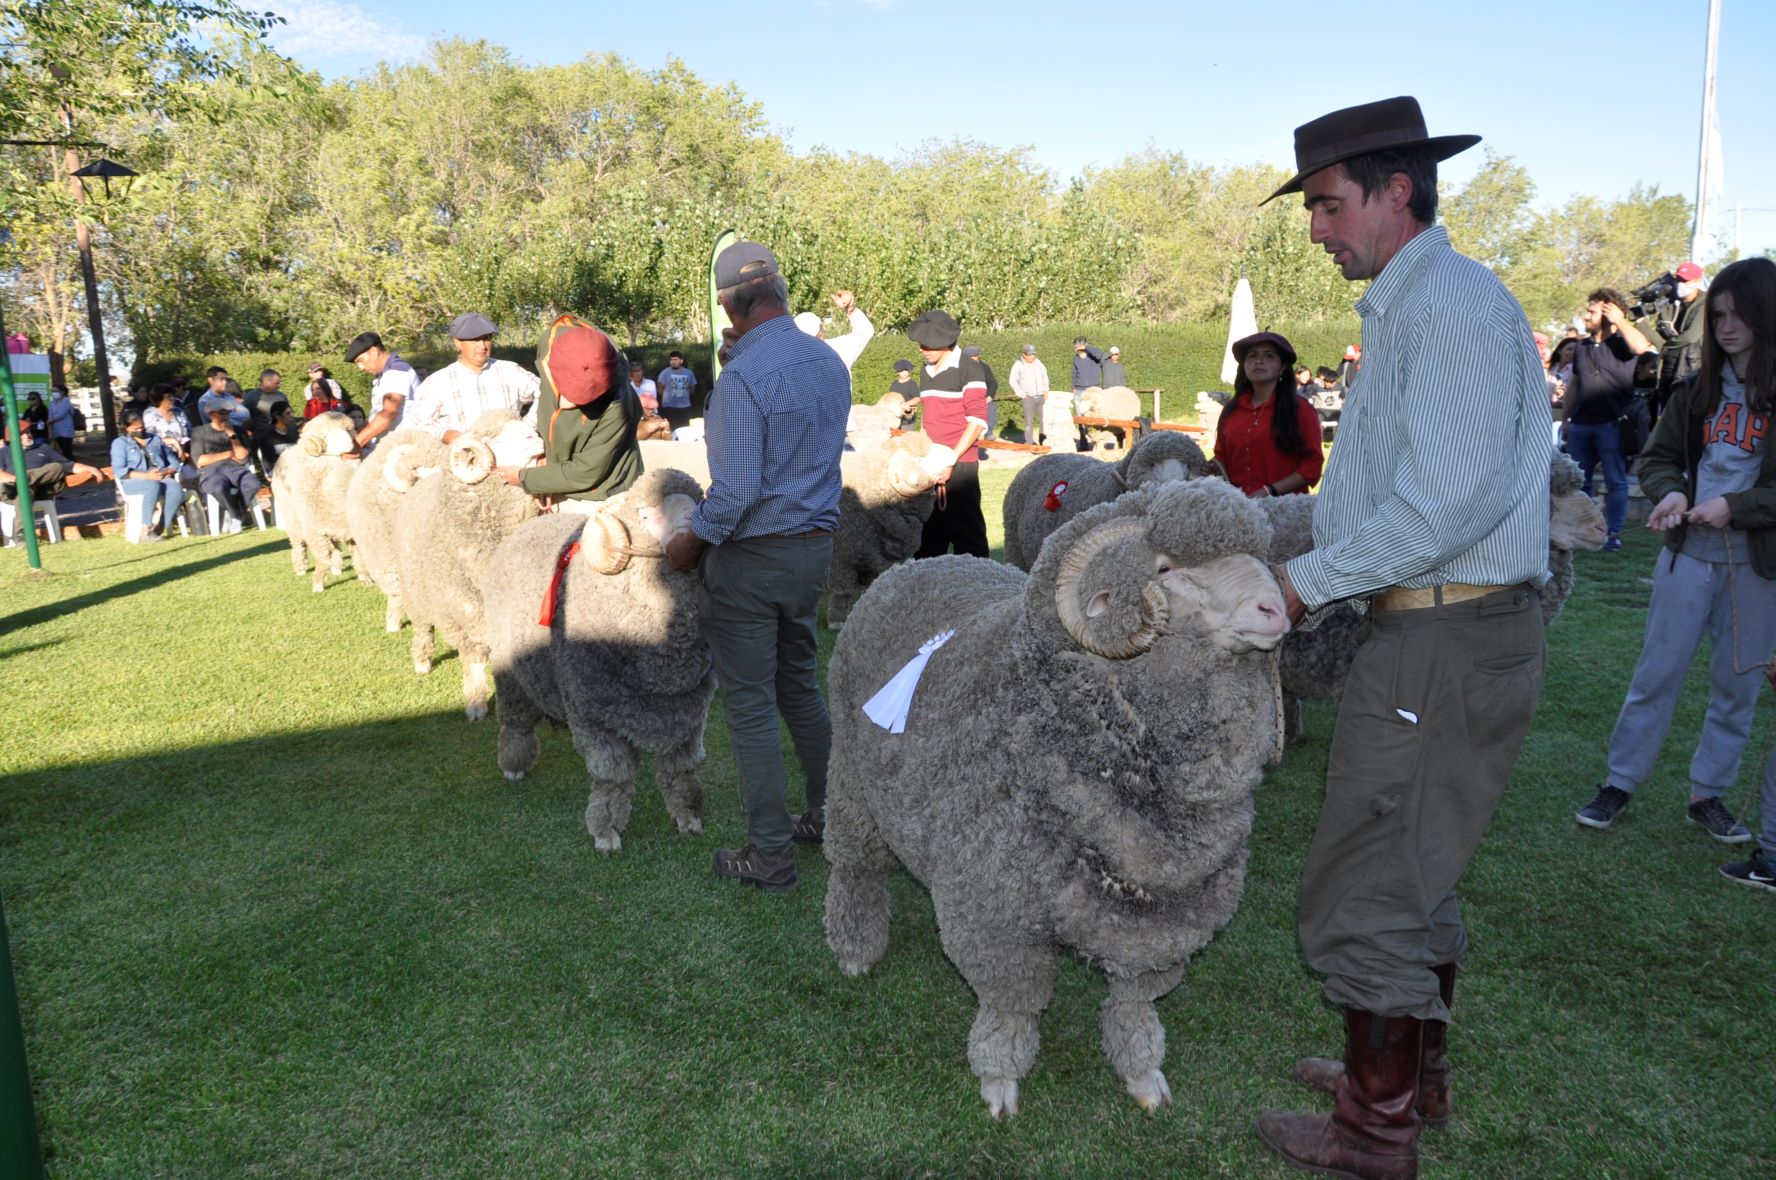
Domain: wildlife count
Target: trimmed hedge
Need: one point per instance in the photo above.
(1178, 358)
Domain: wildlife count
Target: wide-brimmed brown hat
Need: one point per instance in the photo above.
(1388, 125)
(1245, 344)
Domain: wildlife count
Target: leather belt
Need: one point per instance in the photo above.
(809, 533)
(1401, 598)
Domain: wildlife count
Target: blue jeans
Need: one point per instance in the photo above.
(165, 492)
(1592, 443)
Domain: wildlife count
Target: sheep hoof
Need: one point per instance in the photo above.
(393, 626)
(854, 967)
(318, 589)
(422, 666)
(1001, 1096)
(1150, 1091)
(690, 827)
(514, 776)
(607, 844)
(475, 712)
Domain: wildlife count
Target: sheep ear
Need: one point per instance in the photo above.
(1090, 617)
(471, 460)
(605, 543)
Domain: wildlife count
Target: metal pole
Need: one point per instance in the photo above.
(21, 1154)
(94, 317)
(27, 516)
(1707, 160)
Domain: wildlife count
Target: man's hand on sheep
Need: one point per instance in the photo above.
(1668, 512)
(512, 475)
(1291, 601)
(684, 550)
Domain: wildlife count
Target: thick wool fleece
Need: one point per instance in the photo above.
(449, 530)
(623, 664)
(878, 527)
(309, 491)
(373, 509)
(1090, 482)
(1046, 796)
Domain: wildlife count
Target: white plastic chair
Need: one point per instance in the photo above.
(223, 518)
(133, 521)
(52, 520)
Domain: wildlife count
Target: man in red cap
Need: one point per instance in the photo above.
(1433, 515)
(587, 416)
(1680, 333)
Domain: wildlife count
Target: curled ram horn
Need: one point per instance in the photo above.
(471, 459)
(605, 544)
(1086, 632)
(398, 470)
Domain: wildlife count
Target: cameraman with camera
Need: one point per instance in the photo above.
(1679, 325)
(1601, 392)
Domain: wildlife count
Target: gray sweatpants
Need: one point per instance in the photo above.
(1693, 598)
(1436, 706)
(758, 602)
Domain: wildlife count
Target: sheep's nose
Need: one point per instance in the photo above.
(1271, 611)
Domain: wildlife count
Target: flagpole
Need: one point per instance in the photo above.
(1706, 163)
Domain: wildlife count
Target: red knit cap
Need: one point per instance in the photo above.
(584, 365)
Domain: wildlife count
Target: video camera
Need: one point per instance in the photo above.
(1658, 298)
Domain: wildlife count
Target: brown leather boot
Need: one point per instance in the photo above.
(1324, 1074)
(1372, 1134)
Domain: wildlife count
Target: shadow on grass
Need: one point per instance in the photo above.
(172, 573)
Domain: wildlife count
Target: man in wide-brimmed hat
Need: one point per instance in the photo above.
(1434, 509)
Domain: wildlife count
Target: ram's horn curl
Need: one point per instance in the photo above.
(1154, 609)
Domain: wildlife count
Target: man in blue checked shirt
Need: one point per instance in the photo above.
(774, 425)
(1434, 514)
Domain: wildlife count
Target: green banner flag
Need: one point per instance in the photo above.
(718, 318)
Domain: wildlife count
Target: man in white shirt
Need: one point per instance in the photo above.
(1029, 380)
(850, 346)
(448, 402)
(394, 383)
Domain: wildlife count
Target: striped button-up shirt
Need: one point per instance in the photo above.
(774, 425)
(456, 395)
(1440, 470)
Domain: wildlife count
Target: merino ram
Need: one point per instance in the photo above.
(1116, 401)
(1316, 658)
(887, 496)
(373, 505)
(1076, 767)
(1054, 489)
(591, 629)
(453, 522)
(309, 486)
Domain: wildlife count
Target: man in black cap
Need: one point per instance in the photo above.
(448, 402)
(395, 381)
(953, 398)
(775, 427)
(1434, 510)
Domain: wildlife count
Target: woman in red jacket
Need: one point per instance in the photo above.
(1268, 436)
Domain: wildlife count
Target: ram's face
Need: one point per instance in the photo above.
(910, 475)
(1575, 522)
(1232, 602)
(516, 445)
(667, 519)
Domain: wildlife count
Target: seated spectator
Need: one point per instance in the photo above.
(221, 456)
(46, 472)
(222, 392)
(147, 473)
(325, 395)
(281, 435)
(164, 422)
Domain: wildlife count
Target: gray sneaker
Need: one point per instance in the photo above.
(1713, 815)
(1604, 809)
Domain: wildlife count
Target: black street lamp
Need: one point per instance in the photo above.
(93, 179)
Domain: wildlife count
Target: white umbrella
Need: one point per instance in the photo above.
(1243, 323)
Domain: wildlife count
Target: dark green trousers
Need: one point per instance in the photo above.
(758, 602)
(1434, 712)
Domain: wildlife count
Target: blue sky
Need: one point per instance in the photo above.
(1590, 98)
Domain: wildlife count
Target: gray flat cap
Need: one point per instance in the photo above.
(471, 325)
(743, 262)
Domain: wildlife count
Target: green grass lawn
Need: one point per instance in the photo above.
(276, 913)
